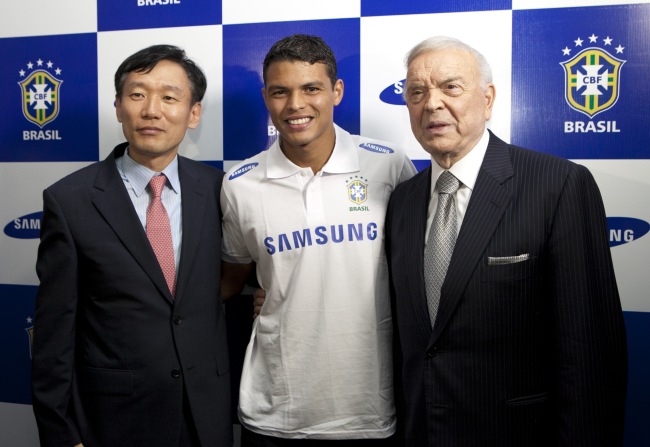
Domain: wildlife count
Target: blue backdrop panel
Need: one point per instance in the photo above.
(138, 14)
(375, 8)
(637, 429)
(50, 112)
(15, 332)
(599, 108)
(244, 47)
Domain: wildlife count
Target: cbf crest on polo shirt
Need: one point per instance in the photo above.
(357, 189)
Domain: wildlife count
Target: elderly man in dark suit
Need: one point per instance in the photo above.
(130, 339)
(508, 318)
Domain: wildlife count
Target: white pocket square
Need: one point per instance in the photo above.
(503, 260)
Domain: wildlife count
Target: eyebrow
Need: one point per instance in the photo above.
(305, 85)
(417, 83)
(136, 84)
(452, 79)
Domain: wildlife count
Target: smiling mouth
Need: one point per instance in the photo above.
(298, 121)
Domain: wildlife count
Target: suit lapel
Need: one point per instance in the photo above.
(194, 199)
(488, 203)
(112, 201)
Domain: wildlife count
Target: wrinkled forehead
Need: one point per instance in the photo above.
(443, 64)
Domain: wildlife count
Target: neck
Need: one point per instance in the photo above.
(313, 156)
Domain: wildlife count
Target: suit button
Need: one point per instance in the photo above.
(431, 353)
(176, 373)
(178, 320)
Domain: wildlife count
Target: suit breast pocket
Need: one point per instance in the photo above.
(495, 271)
(106, 381)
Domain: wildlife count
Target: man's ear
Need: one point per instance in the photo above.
(338, 91)
(118, 108)
(195, 115)
(490, 96)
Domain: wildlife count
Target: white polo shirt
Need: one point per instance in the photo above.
(319, 363)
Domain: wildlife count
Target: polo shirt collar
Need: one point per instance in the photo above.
(343, 159)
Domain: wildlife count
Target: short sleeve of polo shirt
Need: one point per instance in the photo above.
(408, 170)
(234, 249)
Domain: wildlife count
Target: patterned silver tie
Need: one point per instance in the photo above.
(441, 241)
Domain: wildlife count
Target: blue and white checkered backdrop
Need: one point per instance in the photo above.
(571, 79)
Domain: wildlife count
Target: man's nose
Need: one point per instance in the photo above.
(434, 99)
(151, 108)
(295, 101)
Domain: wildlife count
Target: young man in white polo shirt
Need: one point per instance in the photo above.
(309, 213)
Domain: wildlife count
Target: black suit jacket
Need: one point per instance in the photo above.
(113, 351)
(523, 354)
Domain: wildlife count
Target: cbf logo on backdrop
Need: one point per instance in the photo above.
(579, 81)
(41, 97)
(592, 80)
(48, 89)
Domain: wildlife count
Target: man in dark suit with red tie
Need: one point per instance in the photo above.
(130, 338)
(516, 338)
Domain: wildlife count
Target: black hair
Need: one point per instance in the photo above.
(146, 59)
(301, 47)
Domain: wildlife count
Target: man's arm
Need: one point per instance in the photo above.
(53, 348)
(233, 278)
(590, 343)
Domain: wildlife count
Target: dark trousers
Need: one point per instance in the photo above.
(252, 439)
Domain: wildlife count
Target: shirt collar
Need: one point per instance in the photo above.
(343, 159)
(466, 169)
(137, 176)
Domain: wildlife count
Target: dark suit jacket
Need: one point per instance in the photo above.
(524, 354)
(112, 349)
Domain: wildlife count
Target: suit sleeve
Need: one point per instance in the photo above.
(53, 349)
(398, 388)
(591, 355)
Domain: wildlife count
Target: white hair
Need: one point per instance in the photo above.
(438, 43)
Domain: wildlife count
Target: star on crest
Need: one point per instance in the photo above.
(607, 41)
(39, 63)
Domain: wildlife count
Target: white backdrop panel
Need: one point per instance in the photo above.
(386, 40)
(203, 45)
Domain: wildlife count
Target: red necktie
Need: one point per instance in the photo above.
(159, 232)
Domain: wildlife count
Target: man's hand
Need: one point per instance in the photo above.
(233, 278)
(258, 300)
